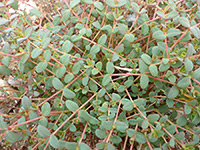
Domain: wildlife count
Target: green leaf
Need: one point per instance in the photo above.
(130, 37)
(115, 97)
(143, 67)
(140, 102)
(188, 65)
(88, 32)
(120, 48)
(41, 66)
(57, 84)
(153, 70)
(65, 59)
(95, 71)
(165, 61)
(146, 58)
(187, 109)
(28, 32)
(6, 61)
(100, 133)
(110, 67)
(47, 55)
(68, 77)
(84, 146)
(102, 39)
(196, 32)
(196, 74)
(128, 106)
(35, 12)
(170, 103)
(163, 67)
(68, 93)
(76, 68)
(153, 118)
(54, 142)
(99, 5)
(140, 138)
(24, 58)
(173, 32)
(42, 131)
(93, 120)
(115, 57)
(3, 124)
(173, 92)
(198, 14)
(115, 139)
(88, 1)
(122, 28)
(65, 15)
(184, 22)
(96, 24)
(181, 121)
(94, 49)
(3, 21)
(12, 137)
(121, 3)
(60, 72)
(145, 29)
(107, 125)
(161, 14)
(131, 132)
(4, 70)
(46, 109)
(72, 128)
(179, 136)
(43, 122)
(45, 42)
(159, 35)
(110, 147)
(101, 93)
(184, 82)
(108, 28)
(84, 115)
(85, 80)
(172, 78)
(145, 124)
(144, 81)
(71, 145)
(26, 102)
(186, 38)
(36, 52)
(20, 40)
(190, 50)
(172, 142)
(67, 46)
(110, 3)
(172, 15)
(106, 80)
(135, 7)
(72, 106)
(74, 3)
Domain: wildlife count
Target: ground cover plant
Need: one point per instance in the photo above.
(103, 75)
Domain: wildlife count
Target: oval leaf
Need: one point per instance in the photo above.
(57, 84)
(173, 92)
(68, 93)
(54, 142)
(72, 106)
(184, 82)
(144, 81)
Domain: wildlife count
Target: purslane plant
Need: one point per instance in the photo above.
(89, 78)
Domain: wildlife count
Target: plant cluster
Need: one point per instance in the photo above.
(88, 78)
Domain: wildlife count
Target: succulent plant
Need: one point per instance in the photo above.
(103, 74)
